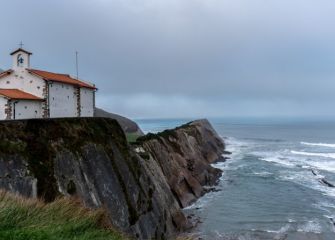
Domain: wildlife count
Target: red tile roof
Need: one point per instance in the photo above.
(5, 73)
(18, 94)
(58, 77)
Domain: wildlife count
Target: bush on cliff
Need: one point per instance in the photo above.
(22, 219)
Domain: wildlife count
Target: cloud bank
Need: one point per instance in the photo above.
(186, 58)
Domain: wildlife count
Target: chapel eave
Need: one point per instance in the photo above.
(21, 50)
(6, 73)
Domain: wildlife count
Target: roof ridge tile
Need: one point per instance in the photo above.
(60, 77)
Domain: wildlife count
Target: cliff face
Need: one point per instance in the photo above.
(184, 155)
(89, 158)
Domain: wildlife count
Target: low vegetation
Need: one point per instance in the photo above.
(132, 137)
(22, 219)
(166, 133)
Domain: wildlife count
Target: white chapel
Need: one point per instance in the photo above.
(30, 93)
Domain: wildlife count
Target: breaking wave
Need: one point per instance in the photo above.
(311, 226)
(325, 155)
(329, 145)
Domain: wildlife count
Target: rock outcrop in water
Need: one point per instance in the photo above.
(90, 158)
(323, 180)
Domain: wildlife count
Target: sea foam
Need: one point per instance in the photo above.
(310, 226)
(329, 145)
(312, 154)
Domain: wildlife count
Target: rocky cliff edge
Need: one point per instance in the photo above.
(142, 187)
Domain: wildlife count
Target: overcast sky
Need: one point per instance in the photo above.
(185, 58)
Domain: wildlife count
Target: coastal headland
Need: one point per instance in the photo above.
(142, 186)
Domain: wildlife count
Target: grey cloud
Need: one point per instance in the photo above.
(185, 57)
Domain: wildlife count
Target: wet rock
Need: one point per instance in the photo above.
(323, 180)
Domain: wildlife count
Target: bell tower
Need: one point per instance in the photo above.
(21, 58)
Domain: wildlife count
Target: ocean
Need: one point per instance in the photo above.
(276, 184)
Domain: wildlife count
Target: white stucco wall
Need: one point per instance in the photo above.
(3, 102)
(26, 60)
(62, 100)
(86, 102)
(25, 109)
(21, 79)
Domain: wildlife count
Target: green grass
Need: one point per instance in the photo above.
(132, 137)
(29, 219)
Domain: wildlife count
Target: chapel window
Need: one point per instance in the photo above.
(20, 60)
